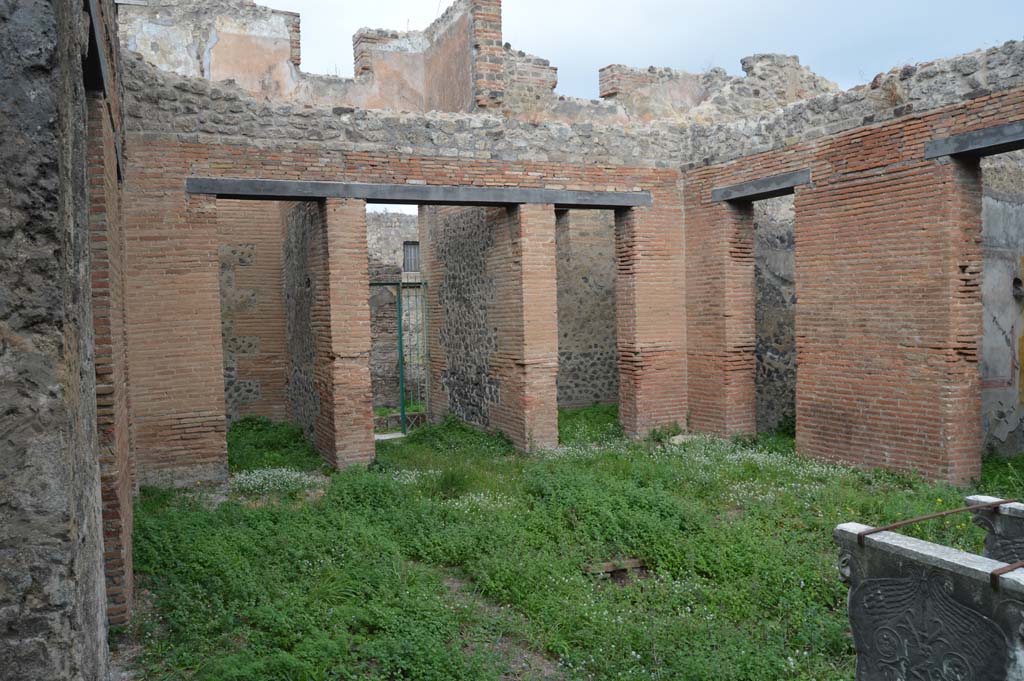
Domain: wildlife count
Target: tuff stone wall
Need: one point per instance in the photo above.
(454, 243)
(588, 370)
(771, 82)
(52, 601)
(252, 308)
(387, 234)
(775, 313)
(303, 276)
(493, 362)
(1003, 304)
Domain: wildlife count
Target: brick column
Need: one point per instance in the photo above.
(107, 261)
(534, 245)
(720, 315)
(348, 361)
(650, 316)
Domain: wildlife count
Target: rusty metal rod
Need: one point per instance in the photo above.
(996, 574)
(903, 523)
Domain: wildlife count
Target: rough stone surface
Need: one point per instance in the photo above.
(163, 102)
(774, 316)
(1003, 304)
(771, 82)
(461, 240)
(588, 369)
(52, 600)
(299, 291)
(920, 610)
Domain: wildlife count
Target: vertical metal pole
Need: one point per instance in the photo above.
(401, 363)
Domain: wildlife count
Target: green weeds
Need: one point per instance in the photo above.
(736, 536)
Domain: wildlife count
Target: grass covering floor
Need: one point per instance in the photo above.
(453, 557)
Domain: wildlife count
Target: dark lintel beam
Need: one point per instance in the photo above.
(985, 142)
(765, 188)
(411, 194)
(98, 33)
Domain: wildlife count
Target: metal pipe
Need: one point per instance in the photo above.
(401, 364)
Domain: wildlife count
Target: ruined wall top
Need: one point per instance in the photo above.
(458, 63)
(771, 82)
(161, 102)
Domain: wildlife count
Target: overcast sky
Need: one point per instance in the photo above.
(848, 41)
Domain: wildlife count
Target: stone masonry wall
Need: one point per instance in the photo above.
(588, 369)
(301, 279)
(252, 308)
(386, 235)
(328, 328)
(886, 379)
(52, 600)
(1003, 304)
(463, 295)
(491, 143)
(775, 313)
(493, 362)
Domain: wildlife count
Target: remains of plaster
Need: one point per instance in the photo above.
(1003, 304)
(300, 288)
(775, 312)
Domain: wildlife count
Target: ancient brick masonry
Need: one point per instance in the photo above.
(888, 367)
(112, 322)
(346, 362)
(526, 318)
(107, 244)
(329, 390)
(252, 308)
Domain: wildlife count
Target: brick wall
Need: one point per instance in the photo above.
(650, 291)
(174, 322)
(107, 257)
(174, 287)
(888, 316)
(488, 60)
(252, 308)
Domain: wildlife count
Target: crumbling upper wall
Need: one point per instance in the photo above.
(160, 102)
(771, 82)
(257, 47)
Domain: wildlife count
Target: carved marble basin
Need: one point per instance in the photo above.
(922, 611)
